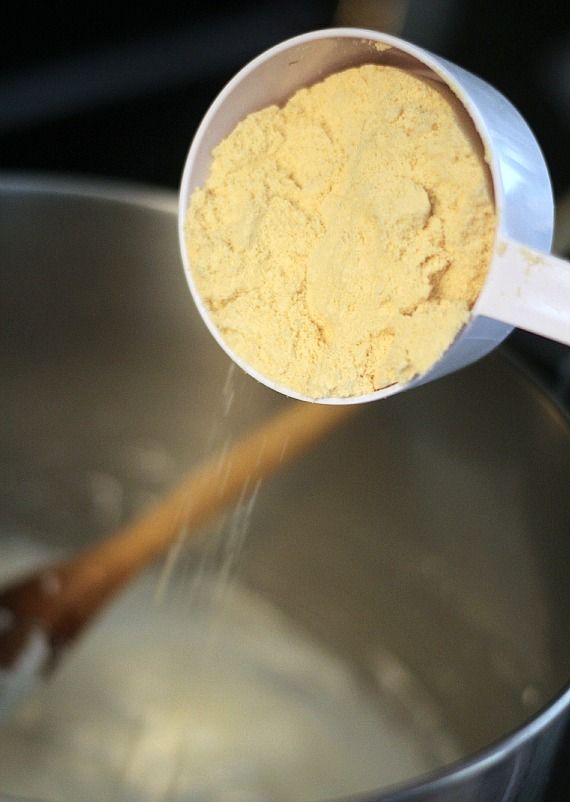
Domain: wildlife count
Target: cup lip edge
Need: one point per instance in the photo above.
(480, 760)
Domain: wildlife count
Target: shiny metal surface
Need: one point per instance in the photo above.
(431, 532)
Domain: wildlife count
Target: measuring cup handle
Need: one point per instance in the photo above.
(528, 289)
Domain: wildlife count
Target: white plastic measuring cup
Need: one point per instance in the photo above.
(525, 286)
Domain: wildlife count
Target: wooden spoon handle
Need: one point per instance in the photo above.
(81, 584)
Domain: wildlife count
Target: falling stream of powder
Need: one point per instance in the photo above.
(221, 548)
(225, 700)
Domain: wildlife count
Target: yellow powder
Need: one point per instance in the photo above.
(341, 240)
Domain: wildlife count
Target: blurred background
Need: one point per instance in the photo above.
(112, 92)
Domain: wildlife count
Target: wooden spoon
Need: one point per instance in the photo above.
(43, 612)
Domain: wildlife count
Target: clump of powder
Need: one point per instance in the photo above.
(341, 240)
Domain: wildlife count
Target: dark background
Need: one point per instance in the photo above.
(114, 91)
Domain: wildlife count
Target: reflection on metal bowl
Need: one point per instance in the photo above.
(405, 584)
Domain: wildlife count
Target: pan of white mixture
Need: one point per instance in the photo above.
(387, 619)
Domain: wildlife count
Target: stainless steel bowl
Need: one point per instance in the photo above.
(427, 543)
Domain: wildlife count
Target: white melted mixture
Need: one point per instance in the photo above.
(208, 702)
